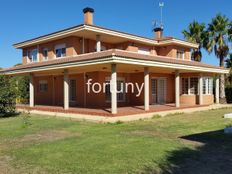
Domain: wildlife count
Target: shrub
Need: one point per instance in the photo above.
(7, 95)
(22, 89)
(229, 93)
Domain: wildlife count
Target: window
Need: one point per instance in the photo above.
(207, 86)
(194, 85)
(43, 86)
(180, 54)
(60, 50)
(33, 55)
(185, 85)
(45, 54)
(143, 51)
(72, 90)
(120, 87)
(189, 85)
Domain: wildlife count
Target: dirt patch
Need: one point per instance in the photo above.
(47, 136)
(5, 167)
(39, 137)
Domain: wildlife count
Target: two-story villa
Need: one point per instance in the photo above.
(60, 65)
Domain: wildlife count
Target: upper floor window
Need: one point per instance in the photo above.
(45, 54)
(33, 55)
(180, 54)
(60, 50)
(144, 51)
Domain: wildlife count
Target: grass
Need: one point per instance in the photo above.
(181, 143)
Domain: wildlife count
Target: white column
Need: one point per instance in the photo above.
(66, 90)
(200, 90)
(177, 88)
(31, 86)
(217, 90)
(98, 44)
(113, 89)
(146, 89)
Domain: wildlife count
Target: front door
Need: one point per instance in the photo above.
(159, 90)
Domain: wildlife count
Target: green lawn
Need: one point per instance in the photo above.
(184, 143)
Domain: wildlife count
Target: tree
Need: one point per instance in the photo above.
(229, 65)
(196, 33)
(219, 36)
(7, 95)
(22, 88)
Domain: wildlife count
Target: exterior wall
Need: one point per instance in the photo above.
(74, 46)
(189, 99)
(54, 95)
(208, 99)
(171, 50)
(194, 99)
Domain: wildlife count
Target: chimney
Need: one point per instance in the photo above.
(88, 15)
(158, 32)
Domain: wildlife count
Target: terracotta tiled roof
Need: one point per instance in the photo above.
(110, 53)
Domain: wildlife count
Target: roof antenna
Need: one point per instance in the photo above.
(161, 5)
(156, 24)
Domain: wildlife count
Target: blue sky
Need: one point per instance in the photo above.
(25, 19)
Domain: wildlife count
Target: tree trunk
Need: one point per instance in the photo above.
(222, 83)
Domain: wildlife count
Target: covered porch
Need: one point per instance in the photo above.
(66, 90)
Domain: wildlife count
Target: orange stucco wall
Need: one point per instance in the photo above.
(74, 46)
(54, 95)
(171, 51)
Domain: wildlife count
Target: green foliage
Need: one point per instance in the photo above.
(22, 88)
(196, 33)
(219, 35)
(7, 95)
(26, 119)
(229, 65)
(228, 91)
(156, 116)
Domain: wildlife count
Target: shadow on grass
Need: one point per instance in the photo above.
(212, 156)
(15, 114)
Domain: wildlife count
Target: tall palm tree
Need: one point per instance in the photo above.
(219, 36)
(196, 34)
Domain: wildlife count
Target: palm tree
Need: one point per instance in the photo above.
(219, 36)
(196, 34)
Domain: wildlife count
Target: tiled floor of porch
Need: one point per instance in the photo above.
(122, 111)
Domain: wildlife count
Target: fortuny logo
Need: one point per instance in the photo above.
(118, 87)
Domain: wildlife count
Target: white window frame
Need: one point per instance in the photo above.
(208, 82)
(182, 52)
(189, 85)
(45, 59)
(107, 79)
(60, 46)
(29, 59)
(43, 82)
